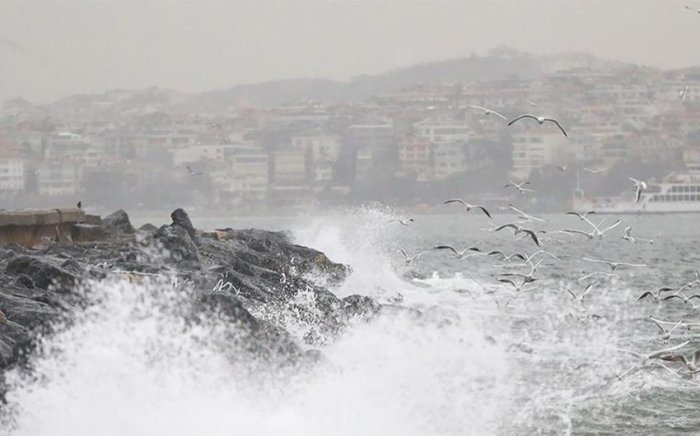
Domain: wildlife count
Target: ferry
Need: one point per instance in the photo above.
(679, 192)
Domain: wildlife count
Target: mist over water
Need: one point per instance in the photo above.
(477, 359)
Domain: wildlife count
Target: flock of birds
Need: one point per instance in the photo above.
(524, 226)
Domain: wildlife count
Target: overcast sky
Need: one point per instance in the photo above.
(56, 48)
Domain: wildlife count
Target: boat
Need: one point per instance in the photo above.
(679, 192)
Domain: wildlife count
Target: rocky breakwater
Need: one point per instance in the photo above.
(251, 281)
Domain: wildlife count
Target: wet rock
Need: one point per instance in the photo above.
(118, 223)
(181, 248)
(42, 273)
(360, 306)
(87, 232)
(180, 218)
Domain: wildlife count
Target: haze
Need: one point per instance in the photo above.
(54, 49)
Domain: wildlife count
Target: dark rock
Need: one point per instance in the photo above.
(180, 246)
(148, 229)
(42, 273)
(87, 232)
(24, 281)
(180, 218)
(360, 306)
(118, 223)
(94, 220)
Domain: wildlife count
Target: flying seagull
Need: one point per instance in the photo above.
(80, 205)
(518, 230)
(468, 206)
(692, 9)
(516, 286)
(505, 257)
(410, 259)
(613, 265)
(580, 296)
(540, 120)
(459, 254)
(596, 232)
(653, 295)
(683, 298)
(519, 186)
(400, 221)
(562, 167)
(666, 334)
(640, 185)
(592, 171)
(524, 216)
(487, 111)
(692, 365)
(192, 172)
(581, 216)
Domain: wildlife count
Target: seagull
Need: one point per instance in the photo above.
(505, 257)
(487, 111)
(519, 186)
(80, 204)
(628, 237)
(518, 229)
(683, 93)
(692, 365)
(468, 206)
(640, 185)
(683, 298)
(581, 216)
(596, 232)
(614, 265)
(562, 167)
(666, 334)
(410, 259)
(400, 221)
(517, 287)
(652, 355)
(592, 171)
(540, 120)
(692, 9)
(653, 295)
(579, 297)
(459, 254)
(526, 217)
(192, 172)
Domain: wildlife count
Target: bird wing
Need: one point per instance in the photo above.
(404, 253)
(639, 193)
(455, 200)
(611, 226)
(680, 297)
(666, 350)
(521, 117)
(446, 247)
(500, 115)
(693, 296)
(572, 293)
(663, 330)
(491, 253)
(533, 235)
(509, 281)
(644, 295)
(515, 209)
(574, 213)
(483, 210)
(558, 125)
(588, 235)
(513, 226)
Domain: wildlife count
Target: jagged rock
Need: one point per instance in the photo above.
(180, 218)
(43, 274)
(94, 220)
(148, 228)
(118, 223)
(359, 306)
(181, 247)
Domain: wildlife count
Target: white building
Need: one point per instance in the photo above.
(11, 174)
(56, 178)
(534, 149)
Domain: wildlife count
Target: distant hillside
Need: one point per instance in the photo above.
(498, 64)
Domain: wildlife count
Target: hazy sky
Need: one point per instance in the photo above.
(56, 48)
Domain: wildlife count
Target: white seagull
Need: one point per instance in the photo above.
(540, 120)
(468, 206)
(524, 216)
(614, 265)
(596, 232)
(192, 172)
(487, 111)
(628, 237)
(400, 221)
(592, 170)
(518, 230)
(410, 259)
(519, 186)
(459, 254)
(640, 186)
(580, 296)
(666, 334)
